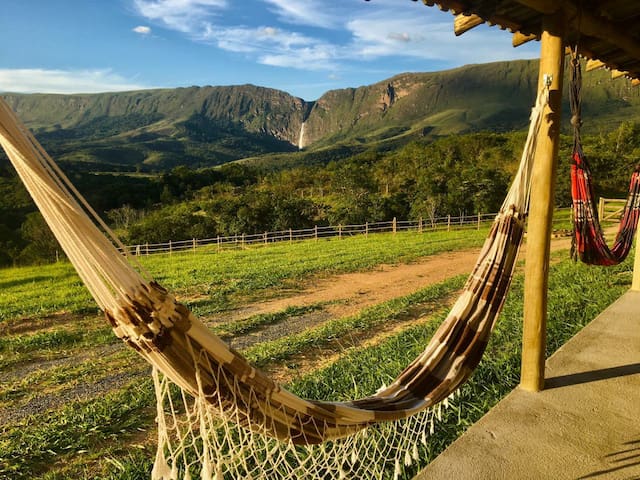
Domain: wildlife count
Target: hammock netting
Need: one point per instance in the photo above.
(219, 417)
(589, 244)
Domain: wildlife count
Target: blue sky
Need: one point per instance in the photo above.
(305, 47)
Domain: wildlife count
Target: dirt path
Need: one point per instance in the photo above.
(352, 292)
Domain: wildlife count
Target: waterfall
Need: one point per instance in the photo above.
(301, 137)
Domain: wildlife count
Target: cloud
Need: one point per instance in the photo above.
(304, 12)
(36, 80)
(142, 30)
(187, 16)
(428, 36)
(370, 32)
(274, 46)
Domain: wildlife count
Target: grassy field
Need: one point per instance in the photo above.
(98, 420)
(222, 280)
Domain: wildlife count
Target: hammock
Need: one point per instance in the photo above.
(230, 418)
(589, 244)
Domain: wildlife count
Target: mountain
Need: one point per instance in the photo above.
(204, 126)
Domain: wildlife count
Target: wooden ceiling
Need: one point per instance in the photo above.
(606, 32)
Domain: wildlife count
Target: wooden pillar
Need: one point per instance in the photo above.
(541, 208)
(635, 284)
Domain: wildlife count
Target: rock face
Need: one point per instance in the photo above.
(254, 109)
(494, 96)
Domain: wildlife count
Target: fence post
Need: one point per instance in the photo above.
(147, 249)
(478, 220)
(601, 208)
(218, 242)
(420, 225)
(265, 238)
(195, 242)
(290, 235)
(340, 232)
(315, 232)
(170, 248)
(394, 225)
(448, 223)
(366, 230)
(137, 250)
(461, 219)
(242, 242)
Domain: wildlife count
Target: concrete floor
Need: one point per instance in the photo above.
(584, 425)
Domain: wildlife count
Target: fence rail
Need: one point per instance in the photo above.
(610, 208)
(317, 232)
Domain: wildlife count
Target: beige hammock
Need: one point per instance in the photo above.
(225, 393)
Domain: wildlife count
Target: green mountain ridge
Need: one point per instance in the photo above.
(206, 126)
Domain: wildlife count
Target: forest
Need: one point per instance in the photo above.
(458, 174)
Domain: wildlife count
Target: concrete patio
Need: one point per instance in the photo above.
(584, 425)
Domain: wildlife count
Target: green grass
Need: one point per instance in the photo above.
(221, 280)
(384, 313)
(255, 322)
(100, 438)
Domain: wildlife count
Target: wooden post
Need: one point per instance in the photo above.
(218, 242)
(366, 229)
(266, 238)
(242, 242)
(448, 223)
(315, 232)
(395, 225)
(170, 248)
(635, 284)
(147, 248)
(420, 225)
(541, 210)
(601, 208)
(478, 220)
(290, 235)
(339, 232)
(195, 243)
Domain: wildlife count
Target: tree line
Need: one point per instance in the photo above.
(463, 174)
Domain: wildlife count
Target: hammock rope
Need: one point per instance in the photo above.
(589, 244)
(222, 392)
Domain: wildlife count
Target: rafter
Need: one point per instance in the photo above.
(464, 23)
(594, 65)
(520, 38)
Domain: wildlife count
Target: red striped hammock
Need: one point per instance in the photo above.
(589, 244)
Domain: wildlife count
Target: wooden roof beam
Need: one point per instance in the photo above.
(520, 38)
(463, 23)
(594, 65)
(588, 23)
(617, 74)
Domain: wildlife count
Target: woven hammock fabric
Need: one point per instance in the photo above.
(589, 244)
(165, 333)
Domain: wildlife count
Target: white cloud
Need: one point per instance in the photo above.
(368, 32)
(187, 16)
(430, 37)
(36, 80)
(274, 46)
(142, 30)
(304, 12)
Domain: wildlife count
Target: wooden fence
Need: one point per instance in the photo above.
(610, 208)
(316, 233)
